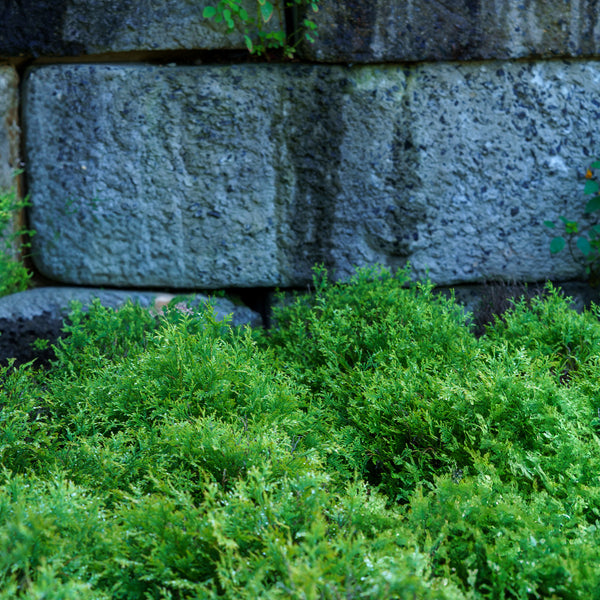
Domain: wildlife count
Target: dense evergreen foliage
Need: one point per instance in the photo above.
(368, 446)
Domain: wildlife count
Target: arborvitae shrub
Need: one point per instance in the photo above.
(369, 446)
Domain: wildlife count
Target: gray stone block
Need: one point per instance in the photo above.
(430, 30)
(249, 175)
(56, 302)
(75, 27)
(10, 140)
(205, 176)
(154, 176)
(342, 169)
(499, 148)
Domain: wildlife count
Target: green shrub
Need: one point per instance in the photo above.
(492, 539)
(368, 446)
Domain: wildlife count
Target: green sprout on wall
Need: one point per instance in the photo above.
(259, 40)
(14, 276)
(582, 240)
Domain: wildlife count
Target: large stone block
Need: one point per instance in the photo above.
(430, 30)
(74, 27)
(154, 176)
(206, 176)
(40, 313)
(249, 175)
(499, 148)
(341, 169)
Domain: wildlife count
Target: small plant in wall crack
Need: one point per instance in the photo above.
(258, 40)
(14, 276)
(582, 240)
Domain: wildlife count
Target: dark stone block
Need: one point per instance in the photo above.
(40, 313)
(34, 28)
(18, 338)
(81, 27)
(431, 30)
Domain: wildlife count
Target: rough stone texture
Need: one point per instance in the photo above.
(246, 176)
(207, 176)
(150, 176)
(9, 128)
(39, 313)
(342, 168)
(75, 27)
(501, 147)
(420, 30)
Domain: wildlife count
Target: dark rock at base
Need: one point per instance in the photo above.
(18, 338)
(39, 314)
(484, 302)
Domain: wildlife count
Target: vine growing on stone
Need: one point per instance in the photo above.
(584, 237)
(260, 38)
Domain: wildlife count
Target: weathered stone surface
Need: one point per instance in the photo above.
(39, 314)
(500, 147)
(75, 27)
(207, 176)
(9, 128)
(429, 30)
(342, 168)
(247, 176)
(150, 176)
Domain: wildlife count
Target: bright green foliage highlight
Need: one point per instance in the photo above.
(368, 446)
(14, 277)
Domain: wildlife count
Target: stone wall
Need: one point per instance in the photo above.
(436, 30)
(409, 131)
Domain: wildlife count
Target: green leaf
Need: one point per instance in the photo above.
(244, 15)
(591, 187)
(209, 12)
(557, 244)
(249, 44)
(550, 224)
(593, 205)
(228, 19)
(595, 165)
(584, 246)
(570, 226)
(266, 11)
